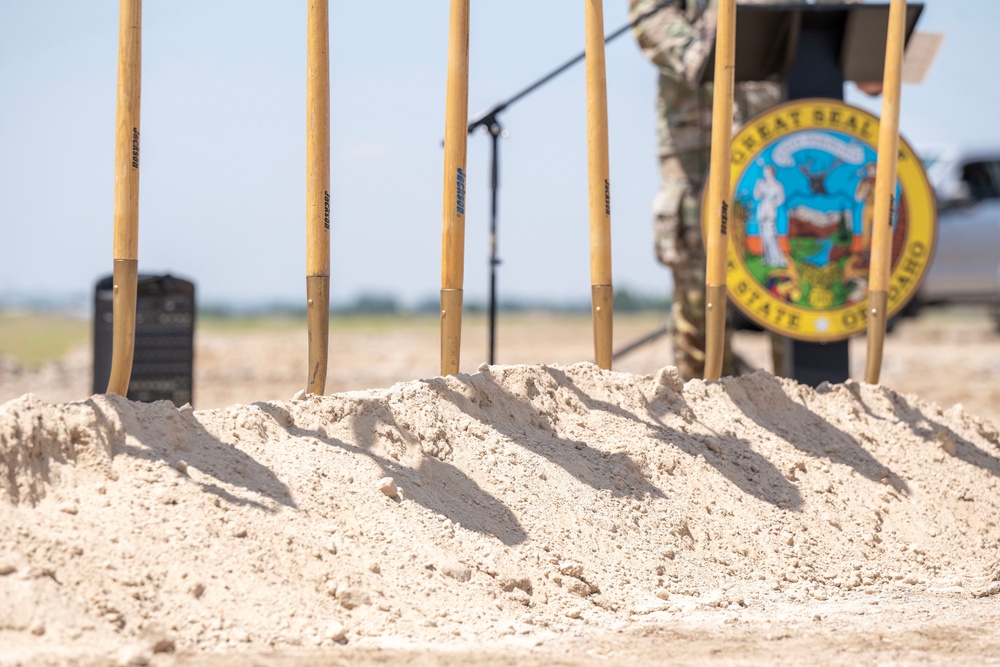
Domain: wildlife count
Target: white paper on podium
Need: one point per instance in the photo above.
(921, 50)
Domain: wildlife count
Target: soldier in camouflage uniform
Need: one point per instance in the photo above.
(678, 39)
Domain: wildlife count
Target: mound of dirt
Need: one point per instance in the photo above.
(515, 504)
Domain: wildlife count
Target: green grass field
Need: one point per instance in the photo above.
(338, 322)
(33, 338)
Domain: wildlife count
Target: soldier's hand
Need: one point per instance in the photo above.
(872, 88)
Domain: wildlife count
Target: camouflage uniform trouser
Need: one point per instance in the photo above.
(678, 239)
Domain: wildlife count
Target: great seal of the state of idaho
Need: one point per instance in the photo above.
(803, 177)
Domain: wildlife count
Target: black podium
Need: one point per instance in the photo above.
(163, 364)
(813, 50)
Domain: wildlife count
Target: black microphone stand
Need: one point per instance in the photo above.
(491, 124)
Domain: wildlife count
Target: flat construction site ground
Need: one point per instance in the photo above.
(536, 512)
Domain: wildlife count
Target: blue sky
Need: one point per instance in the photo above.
(222, 182)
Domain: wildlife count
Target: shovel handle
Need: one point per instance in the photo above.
(318, 192)
(719, 190)
(885, 191)
(599, 183)
(126, 211)
(453, 209)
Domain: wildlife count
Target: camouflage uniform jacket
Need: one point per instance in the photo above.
(679, 39)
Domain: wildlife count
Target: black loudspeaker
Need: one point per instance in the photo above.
(163, 365)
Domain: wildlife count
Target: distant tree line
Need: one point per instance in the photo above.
(626, 301)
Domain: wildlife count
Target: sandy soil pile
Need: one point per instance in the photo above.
(517, 504)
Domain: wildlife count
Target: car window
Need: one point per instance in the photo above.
(983, 179)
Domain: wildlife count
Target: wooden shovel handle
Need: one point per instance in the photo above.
(453, 208)
(599, 183)
(885, 191)
(318, 192)
(126, 211)
(719, 190)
